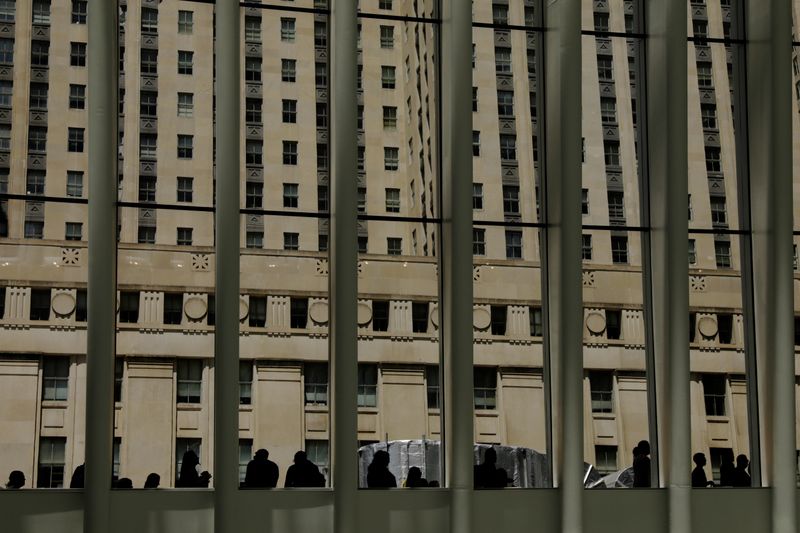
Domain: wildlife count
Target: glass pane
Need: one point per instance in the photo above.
(283, 388)
(399, 8)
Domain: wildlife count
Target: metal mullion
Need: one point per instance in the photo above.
(102, 49)
(667, 122)
(343, 277)
(226, 334)
(563, 270)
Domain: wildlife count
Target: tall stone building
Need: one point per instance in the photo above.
(165, 324)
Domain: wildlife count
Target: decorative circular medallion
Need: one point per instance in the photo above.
(318, 311)
(195, 308)
(595, 323)
(481, 319)
(364, 314)
(63, 304)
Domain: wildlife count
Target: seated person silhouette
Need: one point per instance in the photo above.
(641, 465)
(261, 472)
(205, 477)
(415, 479)
(188, 476)
(124, 483)
(740, 476)
(153, 481)
(76, 482)
(726, 468)
(16, 480)
(303, 473)
(433, 483)
(378, 475)
(699, 478)
(487, 475)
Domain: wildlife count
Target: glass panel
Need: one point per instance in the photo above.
(43, 248)
(399, 8)
(399, 352)
(284, 378)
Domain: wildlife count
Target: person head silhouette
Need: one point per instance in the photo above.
(125, 483)
(300, 457)
(643, 447)
(490, 457)
(16, 480)
(414, 478)
(699, 459)
(742, 462)
(261, 455)
(153, 481)
(190, 460)
(381, 459)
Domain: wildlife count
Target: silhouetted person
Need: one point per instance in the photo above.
(76, 482)
(303, 473)
(378, 475)
(726, 468)
(641, 465)
(433, 483)
(261, 472)
(16, 480)
(699, 478)
(125, 483)
(204, 479)
(740, 476)
(487, 475)
(415, 479)
(188, 476)
(153, 481)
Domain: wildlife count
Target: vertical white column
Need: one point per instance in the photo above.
(102, 301)
(226, 336)
(456, 257)
(769, 32)
(562, 103)
(667, 129)
(344, 264)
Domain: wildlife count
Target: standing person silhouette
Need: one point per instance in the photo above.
(76, 482)
(303, 473)
(16, 480)
(641, 465)
(261, 472)
(487, 475)
(153, 481)
(378, 475)
(699, 478)
(188, 476)
(726, 468)
(740, 476)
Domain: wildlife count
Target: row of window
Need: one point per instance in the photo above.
(40, 53)
(37, 139)
(148, 61)
(253, 70)
(149, 21)
(41, 11)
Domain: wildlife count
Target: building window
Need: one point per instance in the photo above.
(254, 239)
(605, 459)
(37, 139)
(321, 74)
(601, 384)
(361, 199)
(173, 307)
(41, 12)
(367, 385)
(485, 387)
(722, 253)
(55, 378)
(185, 189)
(391, 157)
(291, 241)
(513, 244)
(536, 319)
(320, 34)
(719, 215)
(74, 184)
(289, 152)
(601, 21)
(182, 446)
(287, 29)
(322, 198)
(616, 205)
(38, 96)
(185, 22)
(257, 313)
(129, 307)
(185, 146)
(185, 105)
(605, 68)
(288, 70)
(254, 194)
(6, 91)
(419, 317)
(298, 313)
(505, 103)
(245, 382)
(478, 241)
(502, 59)
(252, 29)
(387, 37)
(149, 20)
(184, 237)
(245, 454)
(714, 394)
(322, 242)
(608, 110)
(474, 99)
(252, 69)
(362, 244)
(190, 380)
(34, 183)
(7, 52)
(322, 115)
(148, 104)
(77, 55)
(147, 146)
(499, 316)
(73, 231)
(613, 324)
(40, 304)
(713, 160)
(586, 247)
(508, 147)
(290, 195)
(289, 113)
(34, 229)
(708, 115)
(8, 10)
(584, 201)
(252, 110)
(119, 371)
(476, 143)
(315, 376)
(387, 77)
(380, 315)
(147, 188)
(611, 153)
(254, 153)
(511, 199)
(725, 328)
(392, 200)
(50, 470)
(692, 252)
(394, 245)
(704, 76)
(147, 235)
(360, 157)
(432, 387)
(619, 249)
(389, 117)
(385, 4)
(77, 96)
(185, 61)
